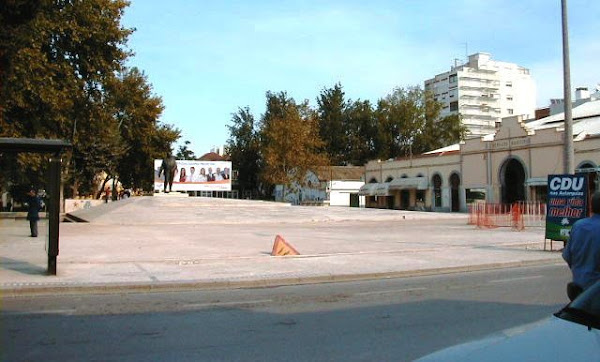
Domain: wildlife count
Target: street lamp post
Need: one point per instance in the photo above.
(569, 154)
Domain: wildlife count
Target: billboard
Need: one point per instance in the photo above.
(197, 176)
(567, 203)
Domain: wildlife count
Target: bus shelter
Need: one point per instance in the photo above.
(54, 148)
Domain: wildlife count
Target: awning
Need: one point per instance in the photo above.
(383, 189)
(375, 189)
(537, 181)
(367, 189)
(419, 183)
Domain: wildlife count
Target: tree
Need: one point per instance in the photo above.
(290, 141)
(184, 152)
(332, 121)
(438, 132)
(57, 60)
(401, 116)
(243, 147)
(137, 111)
(408, 123)
(60, 63)
(361, 133)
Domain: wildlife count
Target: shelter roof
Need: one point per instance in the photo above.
(32, 145)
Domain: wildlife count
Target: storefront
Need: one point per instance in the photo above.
(511, 165)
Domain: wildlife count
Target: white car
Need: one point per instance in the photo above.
(572, 334)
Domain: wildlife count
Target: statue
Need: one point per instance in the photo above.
(168, 166)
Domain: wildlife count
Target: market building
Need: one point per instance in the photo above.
(509, 165)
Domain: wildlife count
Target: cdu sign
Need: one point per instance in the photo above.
(567, 203)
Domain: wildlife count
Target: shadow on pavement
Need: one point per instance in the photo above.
(20, 266)
(391, 332)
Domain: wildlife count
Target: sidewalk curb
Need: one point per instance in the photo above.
(40, 289)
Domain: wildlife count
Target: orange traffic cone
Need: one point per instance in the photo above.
(282, 247)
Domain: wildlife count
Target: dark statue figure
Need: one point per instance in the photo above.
(168, 166)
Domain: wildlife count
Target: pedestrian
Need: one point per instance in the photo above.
(34, 204)
(582, 252)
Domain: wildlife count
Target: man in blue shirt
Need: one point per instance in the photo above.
(582, 252)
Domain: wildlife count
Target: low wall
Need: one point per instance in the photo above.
(78, 204)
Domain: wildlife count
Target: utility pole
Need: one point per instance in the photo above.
(569, 153)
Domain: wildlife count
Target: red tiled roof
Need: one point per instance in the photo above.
(212, 156)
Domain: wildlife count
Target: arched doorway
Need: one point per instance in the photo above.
(454, 191)
(585, 165)
(404, 197)
(390, 198)
(512, 180)
(436, 180)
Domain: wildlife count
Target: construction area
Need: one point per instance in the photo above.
(171, 242)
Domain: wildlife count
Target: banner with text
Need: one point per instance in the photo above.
(567, 203)
(196, 176)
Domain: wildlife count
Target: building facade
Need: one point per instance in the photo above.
(511, 165)
(328, 186)
(484, 91)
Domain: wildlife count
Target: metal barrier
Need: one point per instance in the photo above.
(517, 216)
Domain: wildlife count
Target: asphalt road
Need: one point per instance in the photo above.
(391, 319)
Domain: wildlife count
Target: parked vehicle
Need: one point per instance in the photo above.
(572, 334)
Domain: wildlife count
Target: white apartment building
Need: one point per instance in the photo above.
(483, 91)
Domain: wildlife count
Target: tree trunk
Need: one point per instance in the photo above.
(99, 194)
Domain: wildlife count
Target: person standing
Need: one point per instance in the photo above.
(192, 177)
(34, 204)
(582, 252)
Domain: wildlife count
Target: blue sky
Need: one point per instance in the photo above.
(208, 58)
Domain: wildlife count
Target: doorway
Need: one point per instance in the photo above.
(512, 179)
(454, 191)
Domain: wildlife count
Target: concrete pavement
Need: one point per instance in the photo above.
(168, 243)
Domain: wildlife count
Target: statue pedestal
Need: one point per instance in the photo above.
(172, 194)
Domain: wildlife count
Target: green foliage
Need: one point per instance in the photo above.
(361, 133)
(136, 112)
(290, 141)
(184, 152)
(62, 76)
(243, 148)
(292, 138)
(331, 109)
(400, 118)
(439, 133)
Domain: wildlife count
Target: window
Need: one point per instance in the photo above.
(452, 79)
(510, 111)
(454, 106)
(509, 98)
(509, 84)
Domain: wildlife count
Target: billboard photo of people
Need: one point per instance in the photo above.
(197, 176)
